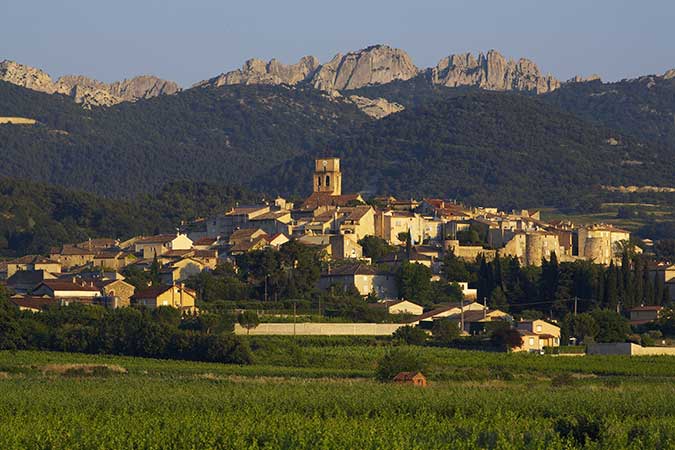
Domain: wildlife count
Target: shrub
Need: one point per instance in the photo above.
(410, 335)
(564, 379)
(395, 360)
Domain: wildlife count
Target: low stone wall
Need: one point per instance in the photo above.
(320, 329)
(626, 348)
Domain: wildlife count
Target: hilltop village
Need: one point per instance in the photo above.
(406, 262)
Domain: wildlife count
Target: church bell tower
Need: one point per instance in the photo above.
(327, 176)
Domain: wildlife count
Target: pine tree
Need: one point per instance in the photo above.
(611, 287)
(659, 290)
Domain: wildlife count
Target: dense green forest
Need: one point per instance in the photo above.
(490, 148)
(644, 107)
(36, 216)
(476, 146)
(226, 135)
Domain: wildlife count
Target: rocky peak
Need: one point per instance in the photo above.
(84, 90)
(256, 71)
(493, 72)
(582, 79)
(669, 74)
(26, 76)
(377, 64)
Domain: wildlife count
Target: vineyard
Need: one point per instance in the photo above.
(323, 397)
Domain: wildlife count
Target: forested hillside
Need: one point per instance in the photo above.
(644, 107)
(490, 148)
(482, 147)
(36, 216)
(225, 135)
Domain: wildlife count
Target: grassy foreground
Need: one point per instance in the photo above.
(47, 402)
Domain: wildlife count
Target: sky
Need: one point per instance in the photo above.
(188, 41)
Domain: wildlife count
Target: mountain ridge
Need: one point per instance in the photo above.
(84, 90)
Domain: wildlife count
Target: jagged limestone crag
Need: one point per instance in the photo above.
(379, 64)
(85, 90)
(492, 71)
(375, 107)
(256, 71)
(26, 76)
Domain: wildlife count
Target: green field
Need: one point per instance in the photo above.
(325, 398)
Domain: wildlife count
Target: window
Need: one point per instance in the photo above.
(327, 181)
(165, 303)
(531, 342)
(319, 182)
(538, 328)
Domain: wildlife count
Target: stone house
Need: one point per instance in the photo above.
(32, 263)
(71, 256)
(115, 293)
(645, 314)
(536, 335)
(235, 219)
(68, 291)
(601, 243)
(402, 307)
(365, 279)
(153, 246)
(181, 270)
(413, 378)
(176, 296)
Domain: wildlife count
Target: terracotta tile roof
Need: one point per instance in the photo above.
(245, 210)
(647, 308)
(407, 376)
(157, 239)
(244, 233)
(323, 199)
(33, 302)
(151, 292)
(175, 253)
(351, 269)
(71, 250)
(272, 215)
(68, 285)
(205, 241)
(155, 291)
(32, 259)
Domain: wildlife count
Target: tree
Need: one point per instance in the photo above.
(445, 331)
(410, 335)
(611, 326)
(414, 282)
(454, 268)
(498, 300)
(248, 320)
(396, 360)
(375, 247)
(507, 338)
(583, 326)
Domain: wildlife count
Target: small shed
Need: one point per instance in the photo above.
(414, 378)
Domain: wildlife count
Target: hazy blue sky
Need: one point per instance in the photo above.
(188, 41)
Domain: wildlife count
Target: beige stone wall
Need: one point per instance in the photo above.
(321, 329)
(627, 348)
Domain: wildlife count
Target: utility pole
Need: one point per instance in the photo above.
(294, 318)
(575, 306)
(484, 307)
(462, 314)
(266, 275)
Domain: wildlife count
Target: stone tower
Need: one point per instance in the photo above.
(327, 176)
